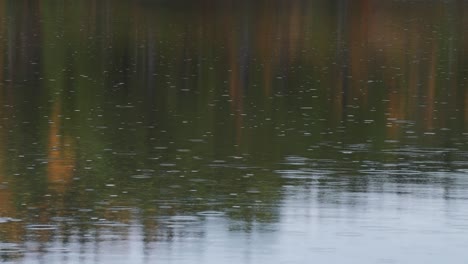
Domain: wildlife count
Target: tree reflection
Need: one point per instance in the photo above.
(136, 113)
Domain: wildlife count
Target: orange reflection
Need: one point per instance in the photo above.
(61, 157)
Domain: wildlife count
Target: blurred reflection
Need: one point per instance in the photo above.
(61, 159)
(156, 122)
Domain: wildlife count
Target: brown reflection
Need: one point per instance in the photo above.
(237, 75)
(360, 56)
(61, 156)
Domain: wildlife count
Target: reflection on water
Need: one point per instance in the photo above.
(233, 131)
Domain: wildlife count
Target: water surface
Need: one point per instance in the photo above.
(233, 131)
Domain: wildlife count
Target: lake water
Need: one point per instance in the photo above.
(212, 131)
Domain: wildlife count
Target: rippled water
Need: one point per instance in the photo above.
(233, 131)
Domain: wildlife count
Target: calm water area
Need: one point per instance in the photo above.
(211, 131)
